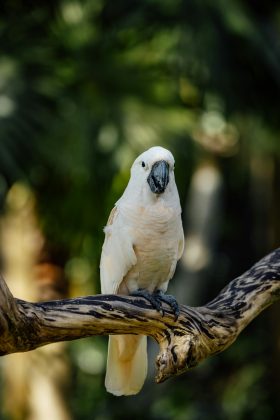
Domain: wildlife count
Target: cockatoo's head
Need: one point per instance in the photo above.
(152, 180)
(155, 167)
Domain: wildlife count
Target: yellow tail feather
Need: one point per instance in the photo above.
(126, 364)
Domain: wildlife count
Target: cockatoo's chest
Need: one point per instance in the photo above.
(156, 248)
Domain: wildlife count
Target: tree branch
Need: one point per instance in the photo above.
(198, 333)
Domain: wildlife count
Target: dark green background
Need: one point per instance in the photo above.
(85, 86)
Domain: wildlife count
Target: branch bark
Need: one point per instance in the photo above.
(198, 332)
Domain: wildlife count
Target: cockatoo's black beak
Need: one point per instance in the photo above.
(159, 177)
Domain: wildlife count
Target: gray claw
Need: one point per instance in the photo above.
(156, 304)
(171, 301)
(156, 298)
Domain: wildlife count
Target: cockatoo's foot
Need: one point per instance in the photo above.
(170, 300)
(156, 298)
(151, 297)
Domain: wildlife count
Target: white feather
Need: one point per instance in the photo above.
(118, 255)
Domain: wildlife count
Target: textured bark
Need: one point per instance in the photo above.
(198, 332)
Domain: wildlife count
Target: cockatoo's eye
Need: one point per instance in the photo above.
(143, 164)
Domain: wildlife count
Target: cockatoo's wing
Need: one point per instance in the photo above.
(118, 255)
(127, 355)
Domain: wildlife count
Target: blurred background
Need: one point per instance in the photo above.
(85, 86)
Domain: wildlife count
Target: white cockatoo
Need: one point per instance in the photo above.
(144, 239)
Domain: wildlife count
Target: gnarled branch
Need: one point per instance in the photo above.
(198, 332)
